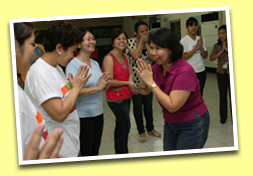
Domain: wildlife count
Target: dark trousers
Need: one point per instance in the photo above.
(202, 80)
(144, 101)
(90, 135)
(224, 86)
(121, 111)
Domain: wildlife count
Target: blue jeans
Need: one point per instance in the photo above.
(144, 101)
(187, 135)
(121, 111)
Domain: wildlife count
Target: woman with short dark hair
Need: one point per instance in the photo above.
(90, 101)
(175, 85)
(121, 90)
(51, 93)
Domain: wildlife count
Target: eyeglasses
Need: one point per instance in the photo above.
(36, 32)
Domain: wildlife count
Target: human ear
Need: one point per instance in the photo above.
(59, 48)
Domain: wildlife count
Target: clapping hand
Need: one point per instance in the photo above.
(81, 77)
(224, 46)
(144, 71)
(50, 149)
(104, 81)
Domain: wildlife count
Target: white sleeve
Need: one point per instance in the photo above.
(46, 90)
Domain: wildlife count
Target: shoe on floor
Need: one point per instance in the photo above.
(142, 138)
(222, 121)
(154, 133)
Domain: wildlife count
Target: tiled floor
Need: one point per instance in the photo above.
(220, 135)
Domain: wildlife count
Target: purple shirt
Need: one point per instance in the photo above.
(180, 76)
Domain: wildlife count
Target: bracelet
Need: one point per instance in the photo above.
(153, 86)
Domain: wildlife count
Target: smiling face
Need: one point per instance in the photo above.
(120, 42)
(222, 33)
(67, 55)
(159, 55)
(24, 54)
(89, 42)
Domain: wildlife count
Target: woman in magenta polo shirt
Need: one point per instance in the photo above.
(176, 87)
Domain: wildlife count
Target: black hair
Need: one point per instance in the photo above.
(62, 33)
(137, 24)
(190, 21)
(117, 33)
(165, 38)
(84, 30)
(221, 27)
(23, 31)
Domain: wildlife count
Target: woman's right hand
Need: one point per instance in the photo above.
(224, 46)
(200, 43)
(144, 72)
(81, 77)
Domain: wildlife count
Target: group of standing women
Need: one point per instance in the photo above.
(73, 107)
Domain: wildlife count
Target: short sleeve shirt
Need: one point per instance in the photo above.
(196, 61)
(44, 82)
(91, 105)
(180, 76)
(222, 59)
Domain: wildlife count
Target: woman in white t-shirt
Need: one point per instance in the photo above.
(195, 51)
(50, 91)
(31, 132)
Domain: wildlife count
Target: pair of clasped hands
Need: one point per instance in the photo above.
(144, 71)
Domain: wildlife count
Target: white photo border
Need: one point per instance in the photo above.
(131, 155)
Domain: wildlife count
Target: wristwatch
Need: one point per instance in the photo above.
(153, 86)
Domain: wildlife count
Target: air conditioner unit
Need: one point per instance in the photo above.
(210, 24)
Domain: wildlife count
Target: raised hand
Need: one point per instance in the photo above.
(49, 150)
(224, 46)
(81, 77)
(144, 71)
(200, 43)
(104, 80)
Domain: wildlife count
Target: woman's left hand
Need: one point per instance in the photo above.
(145, 72)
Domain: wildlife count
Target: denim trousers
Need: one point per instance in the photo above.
(144, 101)
(121, 111)
(187, 135)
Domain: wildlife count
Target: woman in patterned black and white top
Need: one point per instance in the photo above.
(138, 47)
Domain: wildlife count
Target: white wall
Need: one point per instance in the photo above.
(128, 22)
(165, 20)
